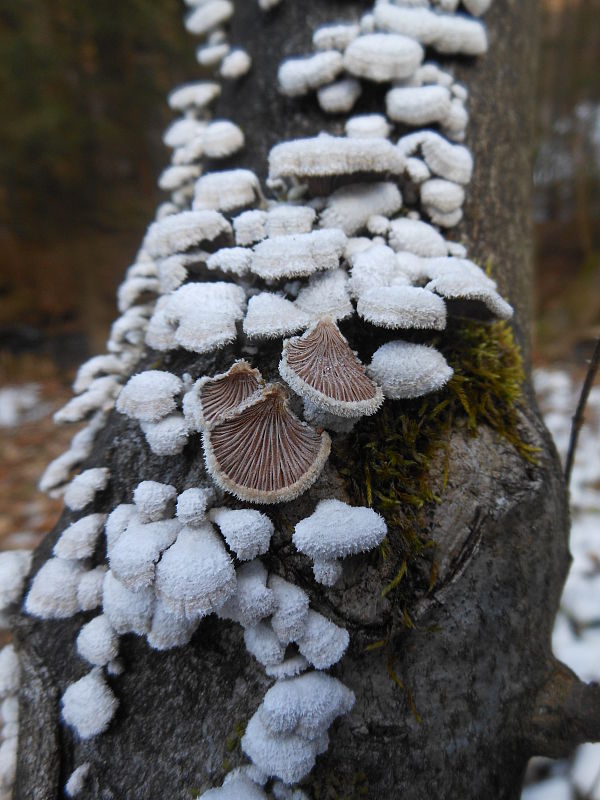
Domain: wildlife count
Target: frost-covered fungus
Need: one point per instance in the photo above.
(154, 500)
(149, 396)
(290, 757)
(459, 34)
(88, 705)
(298, 255)
(374, 266)
(79, 539)
(14, 568)
(323, 642)
(252, 600)
(182, 131)
(172, 178)
(349, 207)
(418, 105)
(288, 668)
(298, 76)
(97, 367)
(262, 643)
(83, 488)
(235, 65)
(447, 33)
(322, 367)
(238, 787)
(418, 23)
(58, 471)
(213, 397)
(77, 780)
(383, 57)
(53, 592)
(326, 295)
(211, 55)
(194, 96)
(335, 37)
(477, 7)
(179, 232)
(336, 530)
(10, 671)
(192, 505)
(195, 576)
(169, 630)
(134, 555)
(89, 588)
(97, 642)
(460, 280)
(402, 307)
(98, 396)
(368, 126)
(453, 162)
(262, 453)
(416, 237)
(283, 219)
(271, 316)
(405, 370)
(442, 196)
(235, 260)
(127, 611)
(291, 609)
(339, 97)
(330, 156)
(250, 227)
(226, 191)
(306, 705)
(201, 317)
(117, 522)
(246, 531)
(208, 16)
(167, 437)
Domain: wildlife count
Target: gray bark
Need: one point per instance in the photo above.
(478, 663)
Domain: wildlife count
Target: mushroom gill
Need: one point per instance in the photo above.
(218, 395)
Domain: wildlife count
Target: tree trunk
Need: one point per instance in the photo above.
(480, 691)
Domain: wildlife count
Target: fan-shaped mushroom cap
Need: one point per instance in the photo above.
(97, 642)
(477, 7)
(418, 23)
(417, 170)
(222, 139)
(291, 609)
(374, 266)
(459, 34)
(134, 556)
(178, 232)
(383, 56)
(418, 105)
(193, 96)
(169, 630)
(82, 489)
(207, 16)
(192, 505)
(326, 296)
(127, 611)
(349, 207)
(288, 668)
(53, 592)
(323, 643)
(368, 126)
(448, 33)
(88, 705)
(14, 568)
(79, 539)
(167, 437)
(335, 37)
(298, 255)
(339, 97)
(252, 600)
(99, 395)
(231, 259)
(271, 316)
(154, 500)
(459, 279)
(297, 76)
(261, 642)
(406, 370)
(10, 671)
(117, 522)
(451, 161)
(262, 452)
(284, 219)
(326, 155)
(182, 131)
(96, 367)
(149, 396)
(226, 191)
(77, 780)
(321, 366)
(306, 705)
(402, 307)
(416, 237)
(89, 588)
(287, 757)
(213, 397)
(246, 531)
(195, 575)
(172, 178)
(442, 195)
(250, 227)
(236, 64)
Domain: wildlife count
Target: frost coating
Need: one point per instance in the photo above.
(246, 531)
(149, 396)
(88, 705)
(298, 255)
(406, 370)
(53, 593)
(97, 642)
(79, 539)
(14, 568)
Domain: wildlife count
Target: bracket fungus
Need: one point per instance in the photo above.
(271, 316)
(79, 539)
(383, 57)
(211, 398)
(88, 705)
(149, 396)
(83, 488)
(297, 76)
(405, 370)
(246, 531)
(402, 307)
(298, 255)
(321, 367)
(262, 453)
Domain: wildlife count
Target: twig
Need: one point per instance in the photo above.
(578, 417)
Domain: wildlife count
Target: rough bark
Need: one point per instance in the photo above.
(478, 664)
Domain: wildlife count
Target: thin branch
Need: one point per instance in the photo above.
(578, 417)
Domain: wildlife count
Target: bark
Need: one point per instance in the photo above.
(480, 691)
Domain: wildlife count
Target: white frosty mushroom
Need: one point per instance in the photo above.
(262, 643)
(374, 266)
(368, 126)
(169, 629)
(134, 556)
(250, 227)
(226, 191)
(405, 370)
(149, 396)
(460, 279)
(80, 538)
(167, 437)
(297, 76)
(96, 367)
(170, 179)
(236, 64)
(154, 500)
(453, 162)
(192, 505)
(14, 568)
(177, 233)
(194, 96)
(416, 237)
(283, 219)
(271, 316)
(383, 56)
(326, 295)
(99, 395)
(419, 105)
(182, 131)
(298, 255)
(252, 600)
(236, 787)
(97, 642)
(247, 531)
(208, 16)
(212, 397)
(117, 522)
(442, 195)
(127, 611)
(89, 588)
(289, 667)
(10, 671)
(77, 780)
(287, 757)
(291, 611)
(82, 489)
(323, 642)
(402, 307)
(88, 705)
(339, 97)
(235, 260)
(350, 207)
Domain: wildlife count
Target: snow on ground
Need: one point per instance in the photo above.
(576, 639)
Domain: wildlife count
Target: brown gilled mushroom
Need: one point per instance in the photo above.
(211, 398)
(321, 367)
(262, 453)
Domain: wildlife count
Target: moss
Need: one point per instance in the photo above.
(334, 786)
